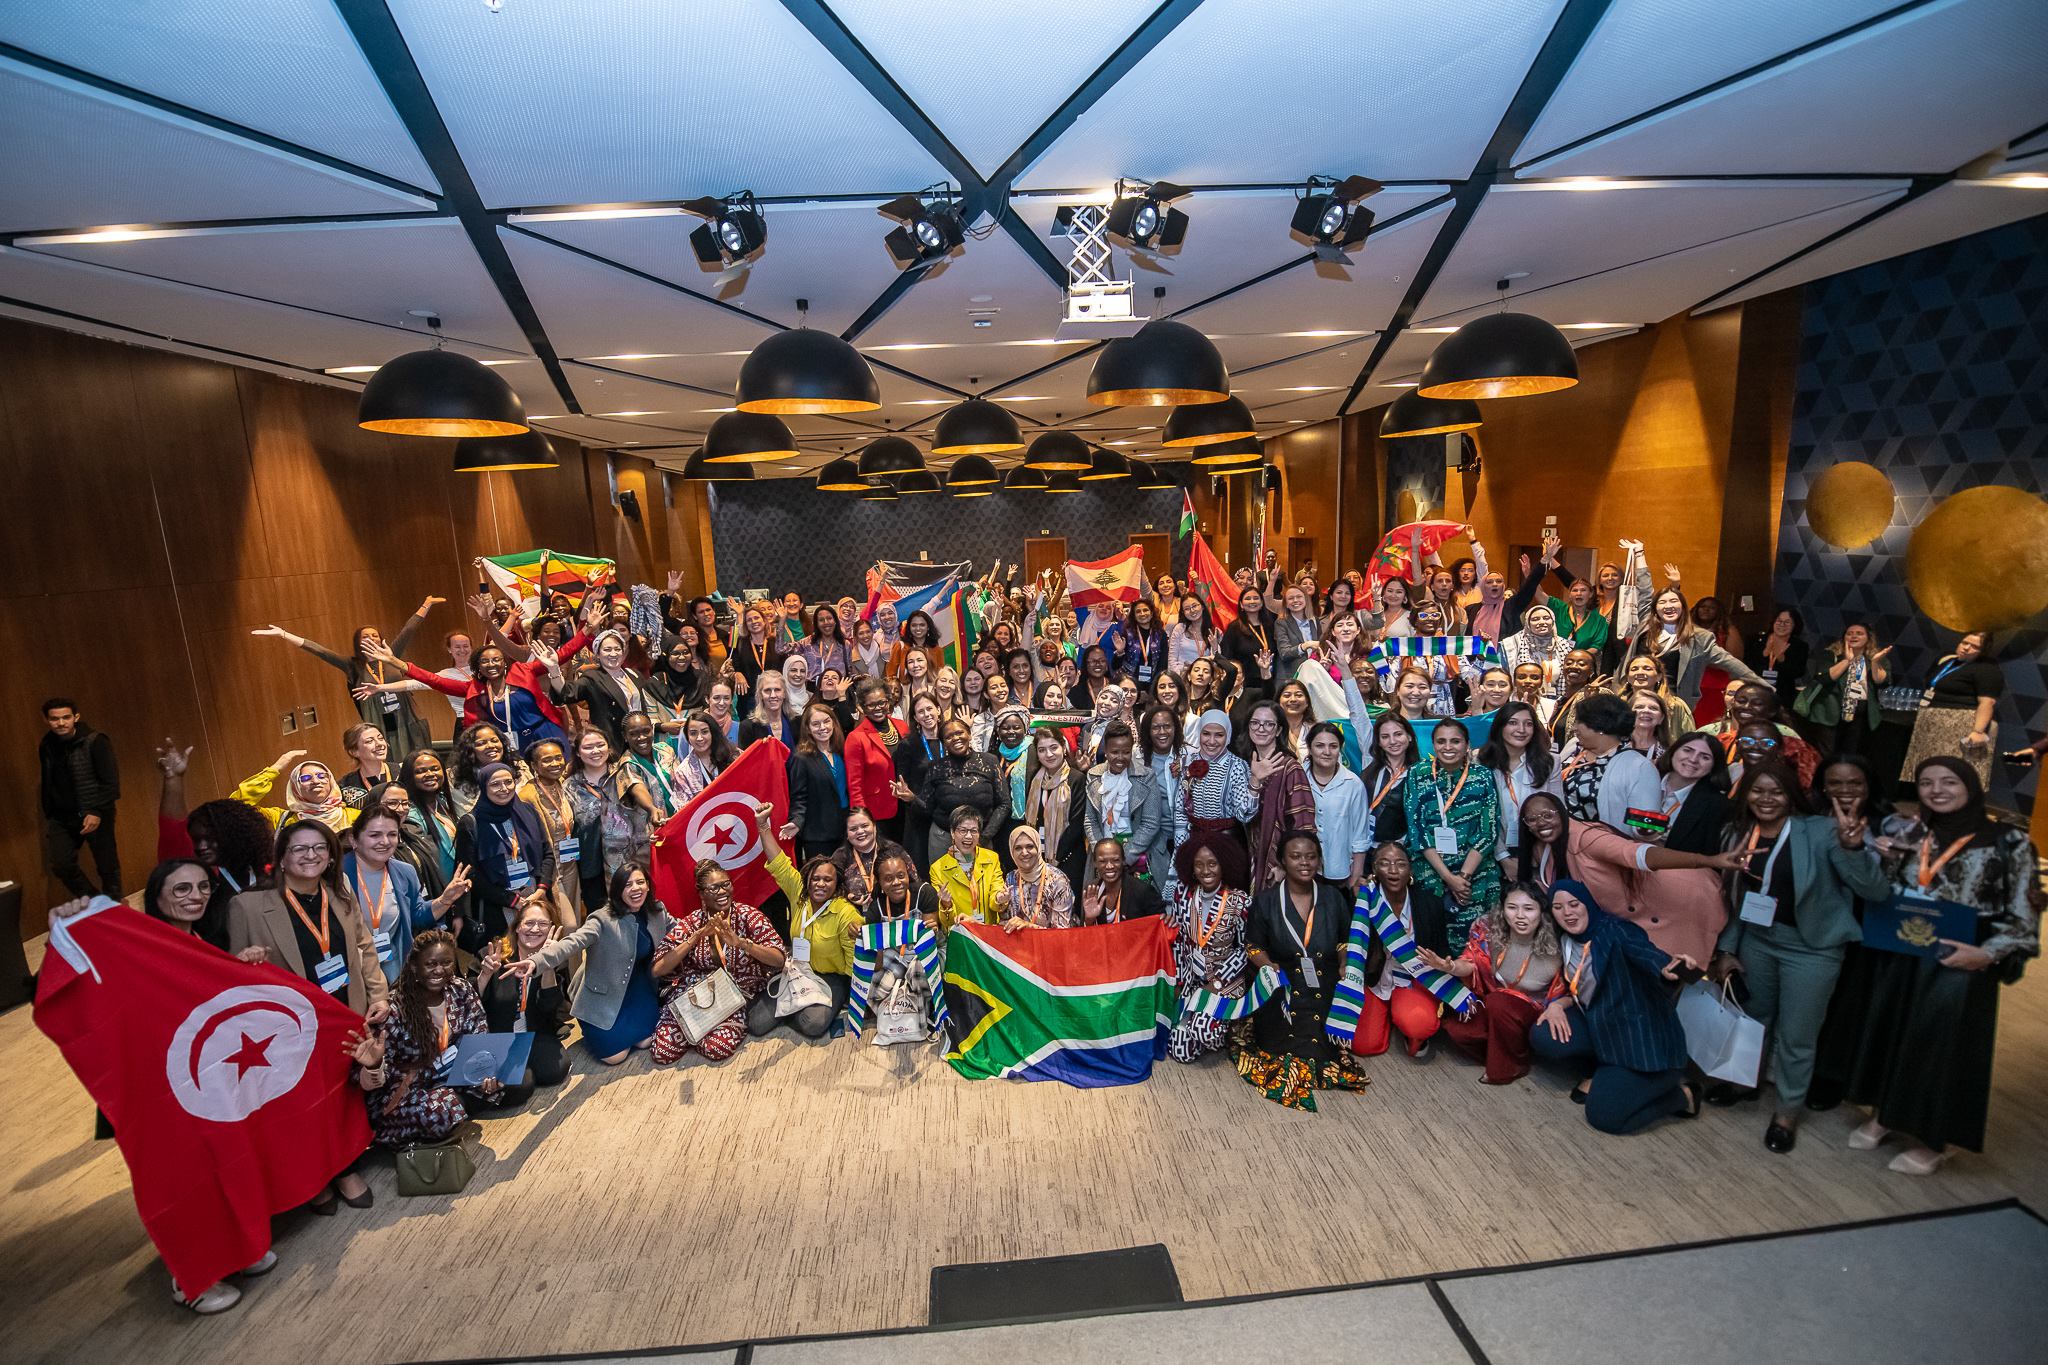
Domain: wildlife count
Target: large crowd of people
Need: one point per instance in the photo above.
(1554, 811)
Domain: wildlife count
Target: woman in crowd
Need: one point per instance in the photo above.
(920, 636)
(1169, 690)
(1097, 674)
(1605, 779)
(873, 782)
(1957, 718)
(961, 777)
(967, 878)
(678, 681)
(796, 694)
(946, 692)
(503, 840)
(704, 755)
(1679, 907)
(1653, 731)
(1208, 913)
(825, 647)
(1393, 596)
(974, 701)
(430, 827)
(1779, 655)
(1203, 694)
(1024, 671)
(1791, 905)
(870, 651)
(1137, 646)
(387, 889)
(1342, 598)
(856, 859)
(432, 1006)
(526, 1004)
(518, 698)
(1040, 895)
(1645, 673)
(608, 689)
(390, 712)
(769, 717)
(1919, 1032)
(1753, 705)
(475, 746)
(817, 784)
(1047, 793)
(1278, 784)
(1510, 966)
(754, 647)
(307, 922)
(823, 926)
(1216, 784)
(616, 999)
(1298, 926)
(1297, 713)
(1112, 703)
(366, 747)
(612, 814)
(1528, 686)
(1161, 751)
(1392, 753)
(722, 934)
(718, 704)
(1615, 1015)
(232, 839)
(1393, 1000)
(1696, 805)
(1517, 753)
(1343, 811)
(653, 763)
(1248, 645)
(1452, 810)
(1686, 651)
(1193, 637)
(1296, 630)
(1114, 892)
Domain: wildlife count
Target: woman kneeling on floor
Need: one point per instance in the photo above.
(720, 935)
(431, 1008)
(1393, 1001)
(1510, 965)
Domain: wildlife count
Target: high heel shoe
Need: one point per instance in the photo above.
(361, 1201)
(1919, 1161)
(327, 1204)
(1867, 1137)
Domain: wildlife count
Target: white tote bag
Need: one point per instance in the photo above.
(1727, 1044)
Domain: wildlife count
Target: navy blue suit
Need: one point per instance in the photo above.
(1628, 1029)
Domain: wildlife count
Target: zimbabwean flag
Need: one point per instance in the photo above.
(1090, 1006)
(522, 576)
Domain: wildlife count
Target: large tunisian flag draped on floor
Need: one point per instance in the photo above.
(719, 824)
(227, 1083)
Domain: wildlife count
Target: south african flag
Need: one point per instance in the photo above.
(1090, 1006)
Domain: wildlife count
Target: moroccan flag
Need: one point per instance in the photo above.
(1203, 568)
(1402, 550)
(1187, 514)
(227, 1083)
(522, 576)
(719, 824)
(1119, 578)
(1090, 1006)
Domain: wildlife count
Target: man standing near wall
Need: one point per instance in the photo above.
(81, 782)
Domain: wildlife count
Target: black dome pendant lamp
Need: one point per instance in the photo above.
(976, 427)
(1413, 415)
(1057, 450)
(439, 393)
(1230, 452)
(1500, 355)
(1154, 474)
(498, 454)
(1164, 364)
(972, 471)
(1109, 464)
(1025, 479)
(740, 437)
(889, 455)
(1201, 424)
(841, 476)
(801, 370)
(702, 469)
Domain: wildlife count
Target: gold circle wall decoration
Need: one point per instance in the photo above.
(1979, 561)
(1850, 504)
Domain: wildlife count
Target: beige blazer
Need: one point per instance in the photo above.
(262, 919)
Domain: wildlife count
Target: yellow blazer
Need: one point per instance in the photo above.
(973, 895)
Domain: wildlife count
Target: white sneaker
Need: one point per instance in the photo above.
(262, 1267)
(218, 1299)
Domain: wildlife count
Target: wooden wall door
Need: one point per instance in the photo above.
(1049, 552)
(1158, 554)
(1301, 552)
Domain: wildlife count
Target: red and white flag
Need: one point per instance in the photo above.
(719, 824)
(1120, 578)
(1223, 590)
(227, 1083)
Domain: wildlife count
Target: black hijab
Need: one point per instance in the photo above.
(1970, 820)
(515, 819)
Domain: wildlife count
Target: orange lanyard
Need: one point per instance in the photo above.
(375, 903)
(1927, 847)
(322, 934)
(443, 1039)
(1112, 910)
(866, 870)
(1385, 788)
(1585, 961)
(1443, 807)
(1263, 646)
(1308, 926)
(1202, 932)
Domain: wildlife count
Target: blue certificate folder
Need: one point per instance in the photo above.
(479, 1057)
(1904, 924)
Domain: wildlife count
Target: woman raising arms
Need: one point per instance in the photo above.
(390, 712)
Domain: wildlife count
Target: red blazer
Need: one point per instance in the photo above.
(525, 674)
(870, 768)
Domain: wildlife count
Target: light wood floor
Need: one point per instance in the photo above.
(810, 1188)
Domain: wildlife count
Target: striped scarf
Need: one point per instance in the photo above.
(1378, 918)
(1224, 1008)
(1386, 654)
(874, 940)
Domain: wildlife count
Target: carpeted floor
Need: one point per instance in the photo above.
(811, 1188)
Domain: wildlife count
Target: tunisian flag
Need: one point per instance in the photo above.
(719, 824)
(227, 1082)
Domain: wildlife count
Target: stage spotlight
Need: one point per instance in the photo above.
(1143, 221)
(1328, 217)
(734, 234)
(930, 231)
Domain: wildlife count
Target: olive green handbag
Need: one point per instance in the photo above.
(436, 1168)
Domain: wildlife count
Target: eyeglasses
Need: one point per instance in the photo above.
(306, 851)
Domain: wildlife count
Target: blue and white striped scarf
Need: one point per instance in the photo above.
(873, 941)
(1385, 655)
(1224, 1008)
(1375, 916)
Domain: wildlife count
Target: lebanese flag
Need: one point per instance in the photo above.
(227, 1082)
(719, 824)
(1116, 579)
(1223, 594)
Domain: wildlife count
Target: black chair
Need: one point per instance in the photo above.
(17, 987)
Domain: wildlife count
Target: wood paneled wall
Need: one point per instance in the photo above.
(1309, 460)
(160, 507)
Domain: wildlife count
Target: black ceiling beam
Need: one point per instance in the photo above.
(1921, 185)
(1568, 37)
(384, 48)
(219, 125)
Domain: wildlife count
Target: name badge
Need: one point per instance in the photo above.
(390, 702)
(1770, 675)
(1917, 893)
(444, 1062)
(1308, 973)
(567, 850)
(1446, 839)
(1758, 908)
(331, 972)
(383, 938)
(519, 1022)
(800, 949)
(518, 873)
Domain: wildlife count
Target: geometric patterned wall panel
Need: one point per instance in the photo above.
(784, 534)
(1932, 366)
(1415, 466)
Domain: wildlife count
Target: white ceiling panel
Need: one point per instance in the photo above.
(1242, 92)
(1648, 52)
(1860, 105)
(592, 310)
(288, 68)
(1302, 300)
(78, 159)
(375, 273)
(1957, 209)
(1641, 249)
(604, 101)
(832, 257)
(1020, 59)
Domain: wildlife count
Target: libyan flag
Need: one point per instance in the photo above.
(524, 576)
(1090, 1006)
